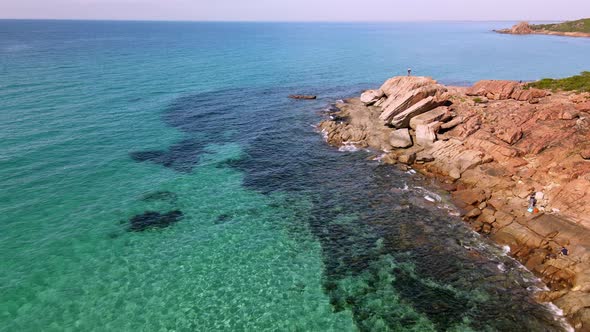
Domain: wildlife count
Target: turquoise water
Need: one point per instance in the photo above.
(101, 122)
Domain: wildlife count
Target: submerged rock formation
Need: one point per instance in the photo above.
(495, 144)
(151, 219)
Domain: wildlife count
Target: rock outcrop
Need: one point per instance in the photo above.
(522, 28)
(495, 154)
(302, 97)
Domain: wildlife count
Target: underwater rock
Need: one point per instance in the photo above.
(141, 156)
(152, 219)
(223, 218)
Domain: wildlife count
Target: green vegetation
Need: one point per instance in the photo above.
(579, 83)
(478, 100)
(582, 25)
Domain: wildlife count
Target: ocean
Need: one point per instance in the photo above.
(108, 125)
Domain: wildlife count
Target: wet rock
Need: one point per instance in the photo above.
(407, 159)
(424, 157)
(308, 97)
(400, 138)
(475, 212)
(152, 219)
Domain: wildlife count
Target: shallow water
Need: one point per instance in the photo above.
(101, 122)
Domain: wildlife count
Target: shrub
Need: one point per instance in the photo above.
(579, 83)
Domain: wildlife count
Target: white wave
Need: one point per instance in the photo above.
(379, 157)
(348, 147)
(559, 316)
(430, 199)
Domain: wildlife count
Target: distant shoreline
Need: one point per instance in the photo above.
(579, 28)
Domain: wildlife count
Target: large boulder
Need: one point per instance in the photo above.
(426, 133)
(370, 97)
(400, 138)
(528, 94)
(403, 119)
(399, 85)
(493, 89)
(437, 114)
(397, 105)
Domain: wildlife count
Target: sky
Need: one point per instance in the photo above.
(297, 10)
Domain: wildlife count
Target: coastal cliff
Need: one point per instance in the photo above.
(493, 145)
(579, 28)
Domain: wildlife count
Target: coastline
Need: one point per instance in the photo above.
(546, 32)
(491, 145)
(524, 28)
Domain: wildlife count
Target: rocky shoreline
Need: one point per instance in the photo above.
(492, 145)
(524, 28)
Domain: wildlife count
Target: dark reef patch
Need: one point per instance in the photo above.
(152, 219)
(397, 257)
(222, 218)
(181, 157)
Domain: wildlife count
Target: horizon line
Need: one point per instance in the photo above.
(275, 21)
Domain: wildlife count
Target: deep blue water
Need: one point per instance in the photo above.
(103, 123)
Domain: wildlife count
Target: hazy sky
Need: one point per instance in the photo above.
(298, 10)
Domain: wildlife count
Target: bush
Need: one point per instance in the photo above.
(579, 83)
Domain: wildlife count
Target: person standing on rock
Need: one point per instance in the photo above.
(532, 203)
(409, 71)
(563, 251)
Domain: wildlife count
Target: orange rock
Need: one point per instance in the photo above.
(492, 89)
(583, 107)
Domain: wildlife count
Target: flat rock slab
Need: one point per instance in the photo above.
(436, 114)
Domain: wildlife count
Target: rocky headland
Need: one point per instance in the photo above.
(493, 145)
(580, 28)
